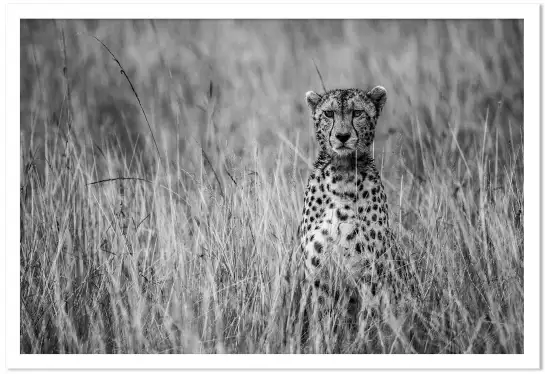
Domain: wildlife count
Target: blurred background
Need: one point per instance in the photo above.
(227, 84)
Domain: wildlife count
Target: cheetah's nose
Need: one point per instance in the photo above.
(342, 137)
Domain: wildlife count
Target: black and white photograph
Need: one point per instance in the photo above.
(278, 186)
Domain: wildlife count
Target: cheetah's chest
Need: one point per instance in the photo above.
(351, 219)
(340, 221)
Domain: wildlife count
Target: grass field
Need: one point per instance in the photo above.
(171, 232)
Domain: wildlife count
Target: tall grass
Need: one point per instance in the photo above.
(123, 252)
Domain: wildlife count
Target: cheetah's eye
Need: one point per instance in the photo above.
(328, 113)
(357, 113)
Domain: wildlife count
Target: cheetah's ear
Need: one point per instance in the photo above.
(312, 99)
(378, 96)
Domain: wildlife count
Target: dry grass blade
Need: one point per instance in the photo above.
(132, 88)
(119, 179)
(319, 75)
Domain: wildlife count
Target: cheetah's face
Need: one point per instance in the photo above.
(345, 120)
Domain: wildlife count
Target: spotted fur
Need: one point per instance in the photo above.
(345, 219)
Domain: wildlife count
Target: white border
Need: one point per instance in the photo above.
(529, 12)
(295, 10)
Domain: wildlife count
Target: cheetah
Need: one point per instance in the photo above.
(345, 216)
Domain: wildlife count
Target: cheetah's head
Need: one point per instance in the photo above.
(345, 120)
